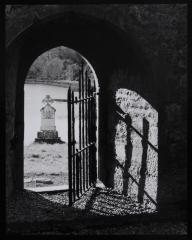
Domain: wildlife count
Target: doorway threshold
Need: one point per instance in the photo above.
(49, 188)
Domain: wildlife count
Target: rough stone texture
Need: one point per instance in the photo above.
(129, 101)
(47, 134)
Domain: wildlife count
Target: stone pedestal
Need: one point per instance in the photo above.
(48, 137)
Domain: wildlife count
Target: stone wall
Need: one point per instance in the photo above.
(137, 161)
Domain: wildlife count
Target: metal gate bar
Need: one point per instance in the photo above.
(82, 156)
(86, 131)
(80, 144)
(73, 144)
(69, 146)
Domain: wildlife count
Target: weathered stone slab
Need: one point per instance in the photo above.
(43, 180)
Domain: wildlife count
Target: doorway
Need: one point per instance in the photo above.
(47, 83)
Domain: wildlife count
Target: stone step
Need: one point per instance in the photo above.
(49, 188)
(38, 180)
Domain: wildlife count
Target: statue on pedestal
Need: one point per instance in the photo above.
(48, 133)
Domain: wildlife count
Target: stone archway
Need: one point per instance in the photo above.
(108, 50)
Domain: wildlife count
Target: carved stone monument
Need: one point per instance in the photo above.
(48, 131)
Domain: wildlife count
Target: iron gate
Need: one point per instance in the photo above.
(82, 167)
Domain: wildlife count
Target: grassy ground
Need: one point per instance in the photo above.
(45, 162)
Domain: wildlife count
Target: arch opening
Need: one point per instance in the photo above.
(46, 127)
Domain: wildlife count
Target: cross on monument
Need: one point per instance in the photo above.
(47, 100)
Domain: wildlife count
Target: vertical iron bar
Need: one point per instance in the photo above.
(88, 93)
(80, 129)
(77, 172)
(73, 144)
(86, 129)
(89, 126)
(91, 134)
(83, 129)
(94, 132)
(69, 146)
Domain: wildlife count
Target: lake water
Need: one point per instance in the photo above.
(34, 94)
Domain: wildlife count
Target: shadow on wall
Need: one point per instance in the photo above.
(135, 169)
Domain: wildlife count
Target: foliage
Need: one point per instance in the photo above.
(59, 63)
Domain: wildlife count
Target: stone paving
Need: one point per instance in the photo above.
(95, 201)
(49, 212)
